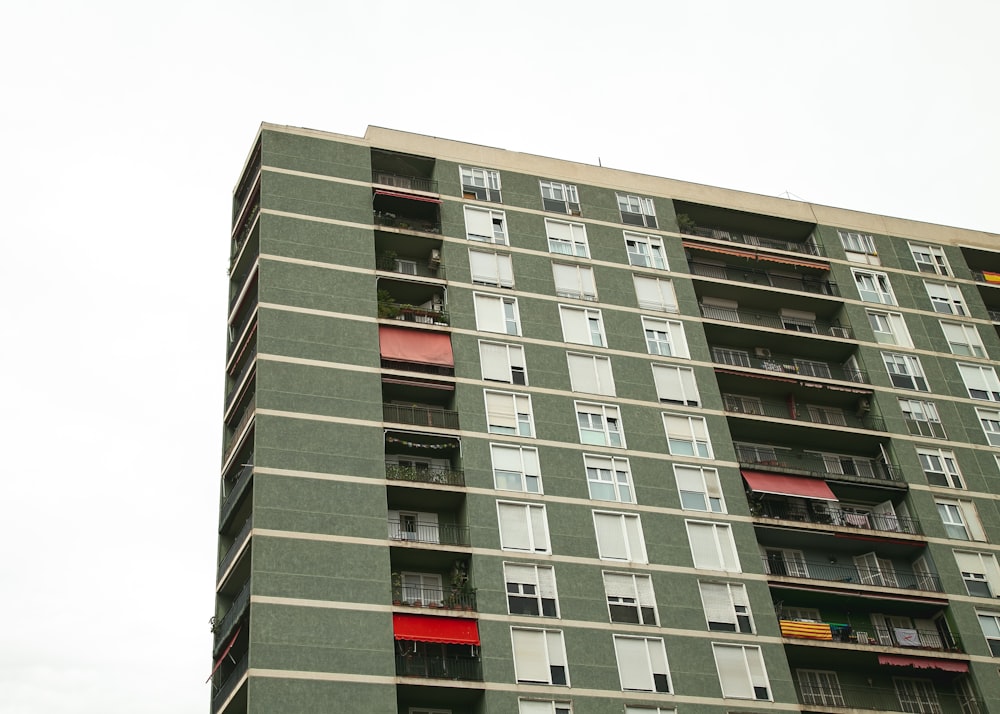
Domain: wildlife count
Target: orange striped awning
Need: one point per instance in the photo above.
(806, 630)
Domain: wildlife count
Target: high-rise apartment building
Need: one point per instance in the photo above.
(504, 433)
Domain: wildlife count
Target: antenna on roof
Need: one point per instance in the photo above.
(790, 196)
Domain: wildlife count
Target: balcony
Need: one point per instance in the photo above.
(775, 321)
(419, 415)
(242, 427)
(831, 514)
(237, 546)
(785, 281)
(808, 247)
(460, 668)
(417, 531)
(860, 631)
(224, 626)
(418, 474)
(434, 598)
(837, 467)
(236, 490)
(765, 359)
(230, 685)
(240, 329)
(244, 225)
(884, 699)
(851, 574)
(411, 183)
(411, 265)
(249, 361)
(810, 413)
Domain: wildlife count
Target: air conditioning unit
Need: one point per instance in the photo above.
(435, 259)
(762, 352)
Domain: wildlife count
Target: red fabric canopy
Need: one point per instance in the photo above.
(218, 662)
(415, 345)
(423, 628)
(413, 196)
(792, 261)
(719, 249)
(946, 665)
(788, 485)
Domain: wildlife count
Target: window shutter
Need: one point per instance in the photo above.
(495, 361)
(489, 314)
(546, 583)
(483, 267)
(513, 527)
(677, 338)
(539, 528)
(611, 543)
(703, 548)
(505, 271)
(972, 522)
(733, 672)
(574, 325)
(478, 224)
(654, 294)
(717, 602)
(506, 458)
(530, 661)
(500, 410)
(633, 664)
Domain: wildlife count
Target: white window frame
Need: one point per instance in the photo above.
(502, 362)
(601, 419)
(653, 293)
(699, 488)
(930, 259)
(874, 284)
(505, 321)
(942, 465)
(722, 554)
(631, 597)
(989, 622)
(726, 606)
(645, 251)
(484, 183)
(540, 706)
(609, 478)
(417, 526)
(980, 381)
(499, 418)
(981, 570)
(824, 690)
(960, 519)
(623, 540)
(889, 328)
(963, 339)
(676, 385)
(423, 588)
(637, 675)
(856, 242)
(639, 209)
(491, 268)
(989, 422)
(545, 645)
(528, 581)
(754, 675)
(534, 529)
(579, 323)
(486, 225)
(923, 416)
(693, 441)
(665, 338)
(505, 458)
(946, 298)
(905, 371)
(917, 695)
(555, 192)
(590, 374)
(567, 238)
(574, 281)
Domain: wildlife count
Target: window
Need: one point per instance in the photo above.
(989, 420)
(676, 385)
(712, 546)
(645, 251)
(619, 537)
(960, 519)
(665, 337)
(523, 527)
(963, 339)
(930, 259)
(421, 589)
(820, 688)
(857, 242)
(826, 415)
(786, 562)
(687, 436)
(485, 225)
(889, 328)
(502, 362)
(916, 695)
(905, 371)
(727, 608)
(940, 467)
(533, 706)
(560, 197)
(415, 526)
(981, 381)
(636, 210)
(508, 413)
(515, 468)
(990, 623)
(496, 314)
(642, 664)
(946, 298)
(720, 309)
(591, 374)
(582, 326)
(567, 238)
(481, 184)
(980, 573)
(655, 293)
(737, 358)
(531, 590)
(922, 418)
(574, 281)
(599, 424)
(629, 709)
(874, 287)
(539, 656)
(812, 368)
(699, 489)
(741, 671)
(630, 598)
(798, 320)
(608, 478)
(494, 269)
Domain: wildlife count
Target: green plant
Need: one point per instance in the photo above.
(685, 223)
(387, 305)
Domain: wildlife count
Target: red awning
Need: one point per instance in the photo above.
(719, 249)
(788, 485)
(218, 662)
(945, 665)
(411, 196)
(423, 628)
(792, 261)
(415, 345)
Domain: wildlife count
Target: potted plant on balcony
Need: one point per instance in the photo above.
(397, 587)
(387, 305)
(685, 223)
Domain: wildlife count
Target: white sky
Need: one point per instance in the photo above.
(122, 132)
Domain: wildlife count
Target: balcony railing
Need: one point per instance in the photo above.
(419, 315)
(224, 626)
(802, 283)
(450, 477)
(246, 418)
(407, 266)
(414, 183)
(824, 513)
(436, 533)
(237, 544)
(834, 467)
(994, 315)
(460, 668)
(788, 364)
(244, 226)
(229, 686)
(883, 699)
(808, 247)
(815, 414)
(236, 491)
(434, 598)
(860, 631)
(775, 321)
(420, 415)
(240, 326)
(858, 575)
(391, 220)
(248, 362)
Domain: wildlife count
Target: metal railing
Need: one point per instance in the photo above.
(391, 220)
(842, 469)
(860, 631)
(884, 699)
(240, 326)
(824, 513)
(410, 313)
(433, 474)
(244, 226)
(434, 598)
(461, 668)
(407, 266)
(420, 415)
(774, 320)
(248, 362)
(238, 541)
(236, 491)
(229, 686)
(225, 624)
(420, 532)
(788, 364)
(808, 247)
(858, 575)
(246, 418)
(249, 284)
(414, 183)
(811, 413)
(801, 283)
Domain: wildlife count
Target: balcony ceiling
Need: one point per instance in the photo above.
(741, 222)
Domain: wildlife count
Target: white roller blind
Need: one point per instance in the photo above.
(718, 603)
(539, 528)
(489, 313)
(546, 583)
(980, 378)
(478, 224)
(514, 573)
(574, 325)
(500, 410)
(655, 294)
(509, 458)
(610, 536)
(733, 672)
(495, 361)
(530, 661)
(633, 536)
(574, 280)
(590, 373)
(513, 526)
(634, 664)
(972, 522)
(616, 585)
(676, 384)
